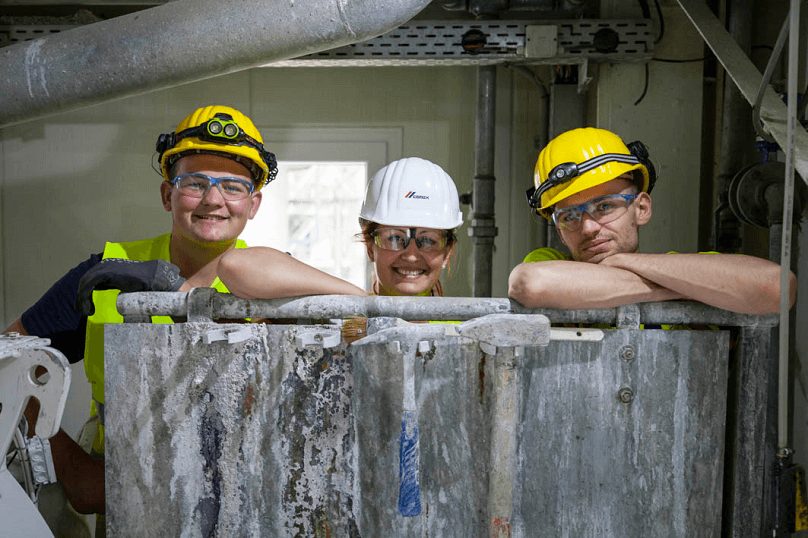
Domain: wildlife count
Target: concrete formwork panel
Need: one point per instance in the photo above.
(279, 430)
(251, 438)
(624, 437)
(424, 427)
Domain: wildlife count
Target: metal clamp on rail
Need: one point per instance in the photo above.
(482, 230)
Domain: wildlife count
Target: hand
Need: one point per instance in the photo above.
(127, 276)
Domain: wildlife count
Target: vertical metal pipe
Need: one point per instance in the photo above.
(788, 215)
(737, 141)
(482, 230)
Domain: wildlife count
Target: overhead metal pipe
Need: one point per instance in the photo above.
(482, 230)
(180, 42)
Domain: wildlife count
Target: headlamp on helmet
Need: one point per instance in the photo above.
(583, 158)
(219, 134)
(566, 172)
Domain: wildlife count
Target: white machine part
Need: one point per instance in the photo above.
(19, 358)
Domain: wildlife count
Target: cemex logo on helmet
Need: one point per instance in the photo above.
(412, 194)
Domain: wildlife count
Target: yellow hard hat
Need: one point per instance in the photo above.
(583, 158)
(221, 130)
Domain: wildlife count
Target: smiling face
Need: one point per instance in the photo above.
(595, 242)
(411, 271)
(210, 219)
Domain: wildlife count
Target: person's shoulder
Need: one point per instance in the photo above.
(153, 248)
(545, 254)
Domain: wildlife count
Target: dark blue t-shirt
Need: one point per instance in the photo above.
(54, 315)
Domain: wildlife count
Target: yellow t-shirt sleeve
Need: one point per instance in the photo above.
(545, 254)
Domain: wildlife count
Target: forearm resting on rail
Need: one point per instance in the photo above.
(578, 285)
(743, 284)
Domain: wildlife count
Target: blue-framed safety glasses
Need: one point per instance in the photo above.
(197, 185)
(603, 210)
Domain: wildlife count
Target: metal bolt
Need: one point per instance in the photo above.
(627, 353)
(625, 395)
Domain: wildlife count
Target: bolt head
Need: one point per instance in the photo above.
(625, 395)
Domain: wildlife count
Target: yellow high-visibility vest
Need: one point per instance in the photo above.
(106, 311)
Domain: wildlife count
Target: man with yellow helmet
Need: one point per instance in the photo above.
(214, 166)
(595, 189)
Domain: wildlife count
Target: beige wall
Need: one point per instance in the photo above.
(76, 179)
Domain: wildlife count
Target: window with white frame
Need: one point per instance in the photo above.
(311, 211)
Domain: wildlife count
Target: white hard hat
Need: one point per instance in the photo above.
(412, 192)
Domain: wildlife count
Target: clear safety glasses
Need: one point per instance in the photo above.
(197, 186)
(428, 240)
(602, 210)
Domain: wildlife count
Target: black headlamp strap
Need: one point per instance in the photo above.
(606, 158)
(566, 172)
(167, 141)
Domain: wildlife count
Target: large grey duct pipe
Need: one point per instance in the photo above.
(180, 42)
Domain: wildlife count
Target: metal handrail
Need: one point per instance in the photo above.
(206, 304)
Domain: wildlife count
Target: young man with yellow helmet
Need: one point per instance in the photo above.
(213, 166)
(595, 189)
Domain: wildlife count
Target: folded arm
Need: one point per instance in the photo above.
(580, 285)
(266, 273)
(743, 284)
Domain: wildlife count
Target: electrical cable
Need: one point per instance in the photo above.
(661, 22)
(11, 457)
(646, 10)
(647, 14)
(30, 490)
(645, 88)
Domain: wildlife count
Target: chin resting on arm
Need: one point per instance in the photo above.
(574, 285)
(266, 273)
(743, 284)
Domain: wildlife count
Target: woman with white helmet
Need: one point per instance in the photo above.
(408, 219)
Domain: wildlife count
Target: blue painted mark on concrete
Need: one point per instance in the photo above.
(409, 490)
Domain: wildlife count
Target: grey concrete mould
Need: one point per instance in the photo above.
(251, 439)
(412, 431)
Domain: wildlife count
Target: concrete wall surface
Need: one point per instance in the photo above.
(422, 429)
